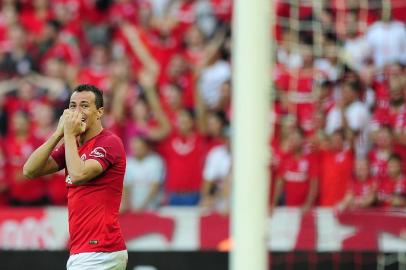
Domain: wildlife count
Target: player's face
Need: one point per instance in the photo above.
(84, 102)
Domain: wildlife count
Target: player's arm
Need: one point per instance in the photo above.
(40, 161)
(80, 171)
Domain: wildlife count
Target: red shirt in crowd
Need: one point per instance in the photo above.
(297, 172)
(298, 85)
(17, 152)
(94, 206)
(335, 174)
(184, 158)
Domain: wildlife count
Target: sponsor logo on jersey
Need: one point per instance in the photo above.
(98, 152)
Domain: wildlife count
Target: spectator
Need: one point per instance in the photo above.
(355, 48)
(392, 190)
(184, 152)
(297, 177)
(17, 60)
(216, 177)
(352, 115)
(97, 71)
(177, 76)
(147, 118)
(380, 153)
(214, 72)
(387, 41)
(143, 178)
(17, 149)
(361, 191)
(336, 169)
(172, 102)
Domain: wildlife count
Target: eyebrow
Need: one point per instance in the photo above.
(84, 101)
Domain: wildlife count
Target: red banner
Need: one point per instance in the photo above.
(186, 229)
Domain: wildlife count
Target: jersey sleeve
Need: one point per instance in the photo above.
(59, 156)
(107, 151)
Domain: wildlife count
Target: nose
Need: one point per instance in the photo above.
(78, 109)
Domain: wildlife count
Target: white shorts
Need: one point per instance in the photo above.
(98, 261)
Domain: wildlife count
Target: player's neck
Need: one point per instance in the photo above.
(90, 133)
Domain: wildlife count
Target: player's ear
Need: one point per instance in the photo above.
(100, 112)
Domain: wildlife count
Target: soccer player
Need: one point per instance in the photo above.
(94, 161)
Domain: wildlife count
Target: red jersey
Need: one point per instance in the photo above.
(297, 172)
(336, 172)
(94, 206)
(184, 158)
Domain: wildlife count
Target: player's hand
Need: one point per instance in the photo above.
(61, 123)
(73, 124)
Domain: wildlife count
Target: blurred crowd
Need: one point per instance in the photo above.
(338, 117)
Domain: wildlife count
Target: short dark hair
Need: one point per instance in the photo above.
(98, 94)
